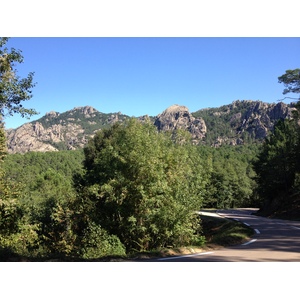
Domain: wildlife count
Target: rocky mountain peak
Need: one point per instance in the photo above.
(179, 117)
(87, 111)
(176, 109)
(60, 131)
(261, 117)
(243, 121)
(52, 114)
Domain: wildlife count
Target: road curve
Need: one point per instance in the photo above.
(274, 240)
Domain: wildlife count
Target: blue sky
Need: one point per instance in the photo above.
(139, 76)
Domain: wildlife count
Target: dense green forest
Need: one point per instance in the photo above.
(133, 188)
(108, 199)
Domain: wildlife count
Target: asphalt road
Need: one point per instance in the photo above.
(274, 240)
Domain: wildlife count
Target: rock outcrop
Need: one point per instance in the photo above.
(242, 121)
(261, 117)
(34, 137)
(66, 131)
(179, 117)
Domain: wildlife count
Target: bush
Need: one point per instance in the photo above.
(143, 186)
(97, 243)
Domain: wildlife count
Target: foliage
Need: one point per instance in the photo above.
(52, 213)
(10, 211)
(13, 89)
(143, 187)
(224, 232)
(231, 182)
(276, 165)
(158, 188)
(46, 195)
(3, 150)
(16, 234)
(98, 243)
(29, 167)
(291, 80)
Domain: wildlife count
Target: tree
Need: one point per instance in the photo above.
(10, 209)
(291, 80)
(143, 187)
(3, 150)
(13, 89)
(276, 164)
(231, 182)
(14, 234)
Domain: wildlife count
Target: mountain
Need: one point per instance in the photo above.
(237, 123)
(242, 122)
(54, 131)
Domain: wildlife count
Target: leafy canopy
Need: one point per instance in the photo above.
(13, 89)
(291, 80)
(14, 233)
(277, 166)
(143, 187)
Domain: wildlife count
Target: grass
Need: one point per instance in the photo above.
(221, 232)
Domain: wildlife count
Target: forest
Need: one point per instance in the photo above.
(132, 189)
(108, 199)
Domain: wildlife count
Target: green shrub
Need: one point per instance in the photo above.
(97, 243)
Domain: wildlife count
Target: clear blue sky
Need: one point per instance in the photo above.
(139, 76)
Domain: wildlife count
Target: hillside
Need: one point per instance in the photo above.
(54, 131)
(240, 122)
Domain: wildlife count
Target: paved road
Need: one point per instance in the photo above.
(274, 241)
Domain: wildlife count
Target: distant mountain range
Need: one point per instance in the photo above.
(240, 122)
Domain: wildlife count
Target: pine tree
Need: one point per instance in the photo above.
(277, 163)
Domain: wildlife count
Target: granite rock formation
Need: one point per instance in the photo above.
(179, 117)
